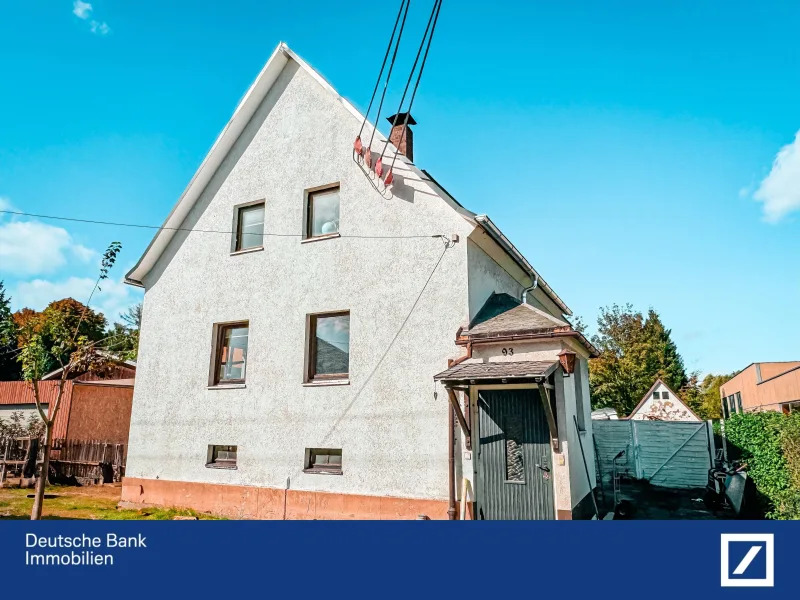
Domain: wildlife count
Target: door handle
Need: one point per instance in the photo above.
(544, 468)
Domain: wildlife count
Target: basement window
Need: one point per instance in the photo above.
(328, 347)
(326, 461)
(249, 227)
(221, 457)
(322, 213)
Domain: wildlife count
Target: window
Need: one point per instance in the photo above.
(731, 404)
(739, 402)
(329, 346)
(790, 407)
(324, 460)
(665, 395)
(725, 412)
(249, 227)
(231, 353)
(221, 457)
(515, 467)
(656, 395)
(322, 213)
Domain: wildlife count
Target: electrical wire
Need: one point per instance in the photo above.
(383, 66)
(226, 232)
(437, 9)
(431, 21)
(391, 68)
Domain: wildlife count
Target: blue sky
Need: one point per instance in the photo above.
(642, 154)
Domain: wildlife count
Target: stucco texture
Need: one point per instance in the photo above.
(391, 429)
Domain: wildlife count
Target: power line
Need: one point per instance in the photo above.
(226, 232)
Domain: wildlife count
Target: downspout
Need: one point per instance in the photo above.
(451, 455)
(530, 289)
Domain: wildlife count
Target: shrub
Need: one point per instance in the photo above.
(769, 443)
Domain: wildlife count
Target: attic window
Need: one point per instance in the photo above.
(249, 227)
(322, 213)
(664, 395)
(656, 395)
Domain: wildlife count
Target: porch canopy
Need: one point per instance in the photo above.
(501, 372)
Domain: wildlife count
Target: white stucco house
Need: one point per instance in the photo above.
(318, 345)
(661, 403)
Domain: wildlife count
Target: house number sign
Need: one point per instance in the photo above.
(508, 352)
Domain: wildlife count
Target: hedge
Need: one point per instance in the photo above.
(769, 443)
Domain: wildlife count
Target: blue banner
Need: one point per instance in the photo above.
(647, 559)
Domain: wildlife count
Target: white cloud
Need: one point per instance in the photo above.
(5, 204)
(113, 298)
(780, 190)
(81, 9)
(100, 28)
(33, 248)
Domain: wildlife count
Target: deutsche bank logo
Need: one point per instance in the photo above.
(748, 560)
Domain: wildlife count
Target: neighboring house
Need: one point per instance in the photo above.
(348, 351)
(763, 386)
(91, 408)
(660, 403)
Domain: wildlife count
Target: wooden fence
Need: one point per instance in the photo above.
(89, 461)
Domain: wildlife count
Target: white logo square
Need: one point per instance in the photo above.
(768, 541)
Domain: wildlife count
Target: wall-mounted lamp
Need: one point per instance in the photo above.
(567, 360)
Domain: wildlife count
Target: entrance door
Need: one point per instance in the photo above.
(515, 478)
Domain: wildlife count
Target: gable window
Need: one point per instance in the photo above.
(221, 457)
(322, 213)
(664, 395)
(328, 346)
(249, 227)
(324, 460)
(231, 353)
(656, 395)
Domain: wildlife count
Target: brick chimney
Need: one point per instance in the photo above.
(406, 147)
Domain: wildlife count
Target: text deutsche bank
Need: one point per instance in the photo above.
(81, 549)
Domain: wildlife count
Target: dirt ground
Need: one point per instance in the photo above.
(96, 502)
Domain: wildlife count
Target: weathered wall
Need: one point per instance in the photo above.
(392, 431)
(17, 393)
(100, 412)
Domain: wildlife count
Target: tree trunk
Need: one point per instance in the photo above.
(38, 501)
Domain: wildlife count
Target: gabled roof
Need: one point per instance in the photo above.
(54, 374)
(650, 393)
(234, 128)
(502, 314)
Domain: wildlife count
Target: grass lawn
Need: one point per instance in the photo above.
(88, 502)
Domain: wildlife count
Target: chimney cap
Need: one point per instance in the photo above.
(401, 119)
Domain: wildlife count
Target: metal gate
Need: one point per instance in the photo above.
(665, 453)
(514, 460)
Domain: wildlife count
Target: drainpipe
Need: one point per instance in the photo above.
(451, 455)
(530, 289)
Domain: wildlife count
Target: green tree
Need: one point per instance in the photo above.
(9, 367)
(634, 351)
(62, 337)
(124, 337)
(59, 315)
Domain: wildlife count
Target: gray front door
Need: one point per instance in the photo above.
(515, 478)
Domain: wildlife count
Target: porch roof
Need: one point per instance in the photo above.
(537, 369)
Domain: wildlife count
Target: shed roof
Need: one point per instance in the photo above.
(498, 370)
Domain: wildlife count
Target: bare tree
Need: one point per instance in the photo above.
(84, 356)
